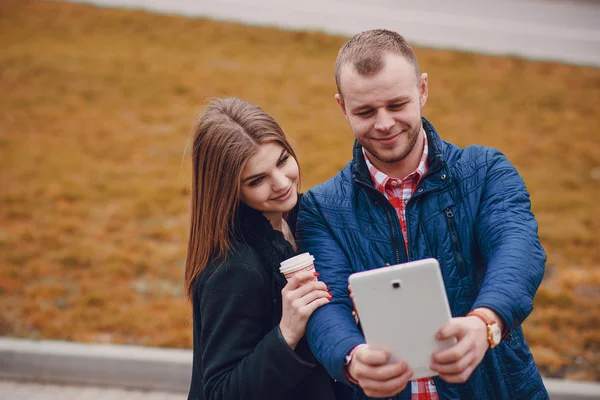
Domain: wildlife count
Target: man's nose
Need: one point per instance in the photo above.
(384, 121)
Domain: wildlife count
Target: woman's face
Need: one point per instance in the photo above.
(269, 180)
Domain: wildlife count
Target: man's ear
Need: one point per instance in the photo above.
(423, 90)
(340, 102)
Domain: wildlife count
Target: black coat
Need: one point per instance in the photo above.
(239, 352)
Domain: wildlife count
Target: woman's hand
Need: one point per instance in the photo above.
(302, 295)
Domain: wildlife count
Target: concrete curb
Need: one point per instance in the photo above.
(131, 367)
(149, 368)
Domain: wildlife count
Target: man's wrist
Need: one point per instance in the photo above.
(347, 361)
(491, 315)
(494, 333)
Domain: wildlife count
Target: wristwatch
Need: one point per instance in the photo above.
(494, 335)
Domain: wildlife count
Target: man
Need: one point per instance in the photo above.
(409, 195)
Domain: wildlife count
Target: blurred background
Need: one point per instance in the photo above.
(96, 109)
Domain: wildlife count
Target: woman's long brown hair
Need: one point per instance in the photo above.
(227, 134)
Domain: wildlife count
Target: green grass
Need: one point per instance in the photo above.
(95, 114)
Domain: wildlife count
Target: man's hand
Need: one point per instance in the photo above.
(354, 313)
(375, 377)
(456, 363)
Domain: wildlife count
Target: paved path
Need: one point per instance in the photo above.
(158, 371)
(10, 390)
(562, 30)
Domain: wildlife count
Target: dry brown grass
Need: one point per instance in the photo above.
(96, 106)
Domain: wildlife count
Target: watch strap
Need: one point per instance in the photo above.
(482, 316)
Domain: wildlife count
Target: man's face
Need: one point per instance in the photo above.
(384, 110)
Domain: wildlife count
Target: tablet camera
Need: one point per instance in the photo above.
(396, 284)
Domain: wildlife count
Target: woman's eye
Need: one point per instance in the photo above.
(283, 160)
(256, 182)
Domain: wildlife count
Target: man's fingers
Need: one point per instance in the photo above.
(450, 329)
(455, 367)
(370, 356)
(386, 388)
(383, 372)
(374, 376)
(460, 377)
(454, 353)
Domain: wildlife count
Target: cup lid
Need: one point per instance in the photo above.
(296, 262)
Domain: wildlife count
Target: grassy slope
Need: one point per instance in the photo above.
(95, 112)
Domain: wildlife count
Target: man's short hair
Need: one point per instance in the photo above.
(365, 52)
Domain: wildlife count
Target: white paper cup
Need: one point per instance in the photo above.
(301, 262)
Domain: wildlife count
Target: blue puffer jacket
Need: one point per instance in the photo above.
(472, 213)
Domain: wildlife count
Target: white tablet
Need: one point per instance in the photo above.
(401, 307)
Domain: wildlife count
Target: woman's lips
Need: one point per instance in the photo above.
(284, 196)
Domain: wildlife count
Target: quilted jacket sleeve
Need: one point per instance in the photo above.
(238, 360)
(331, 330)
(507, 233)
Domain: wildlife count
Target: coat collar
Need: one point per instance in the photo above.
(254, 229)
(435, 159)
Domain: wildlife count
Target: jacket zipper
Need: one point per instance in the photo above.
(391, 221)
(455, 244)
(394, 238)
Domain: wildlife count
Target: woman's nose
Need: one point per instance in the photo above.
(280, 181)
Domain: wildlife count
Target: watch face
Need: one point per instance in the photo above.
(496, 334)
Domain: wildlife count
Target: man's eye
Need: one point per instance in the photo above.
(256, 182)
(396, 106)
(283, 160)
(365, 114)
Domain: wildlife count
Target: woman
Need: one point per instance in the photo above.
(248, 321)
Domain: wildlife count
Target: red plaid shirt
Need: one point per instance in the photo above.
(398, 192)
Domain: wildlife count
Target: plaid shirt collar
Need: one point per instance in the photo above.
(381, 180)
